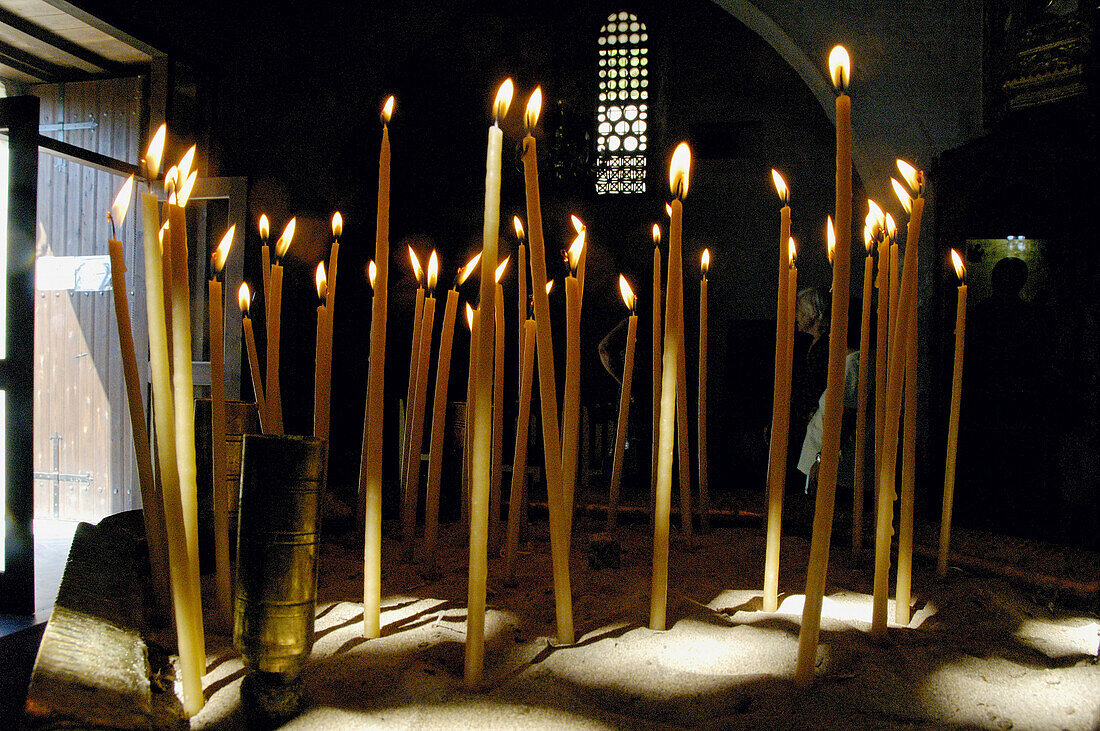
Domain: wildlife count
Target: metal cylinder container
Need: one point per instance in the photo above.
(282, 479)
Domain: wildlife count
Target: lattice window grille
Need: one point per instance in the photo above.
(623, 108)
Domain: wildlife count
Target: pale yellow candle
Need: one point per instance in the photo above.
(861, 401)
(244, 299)
(895, 285)
(570, 409)
(498, 414)
(414, 365)
(903, 590)
(481, 462)
(265, 261)
(900, 330)
(624, 405)
(834, 389)
(439, 421)
(682, 434)
(152, 505)
(655, 392)
(953, 417)
(473, 323)
(223, 599)
(559, 540)
(370, 468)
(882, 319)
(321, 426)
(420, 397)
(521, 296)
(320, 376)
(701, 414)
(781, 407)
(273, 395)
(658, 598)
(517, 516)
(184, 452)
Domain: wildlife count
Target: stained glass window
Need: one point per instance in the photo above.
(623, 106)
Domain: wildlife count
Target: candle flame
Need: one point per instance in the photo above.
(501, 268)
(221, 253)
(668, 210)
(186, 161)
(704, 262)
(469, 317)
(792, 250)
(372, 272)
(781, 187)
(914, 177)
(283, 244)
(578, 224)
(960, 268)
(868, 237)
(840, 67)
(575, 250)
(155, 152)
(518, 226)
(160, 236)
(417, 270)
(187, 187)
(122, 202)
(549, 286)
(171, 182)
(891, 227)
(468, 269)
(534, 106)
(503, 101)
(656, 235)
(244, 298)
(337, 225)
(433, 270)
(320, 281)
(387, 109)
(876, 212)
(902, 194)
(627, 293)
(679, 171)
(265, 227)
(831, 238)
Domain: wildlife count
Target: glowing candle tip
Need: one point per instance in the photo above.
(221, 253)
(704, 262)
(337, 225)
(534, 106)
(679, 171)
(283, 245)
(265, 227)
(122, 202)
(433, 270)
(320, 281)
(960, 268)
(503, 101)
(840, 67)
(627, 293)
(517, 224)
(781, 187)
(656, 235)
(244, 298)
(501, 268)
(387, 109)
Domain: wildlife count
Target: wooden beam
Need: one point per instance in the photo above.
(18, 62)
(67, 151)
(101, 25)
(61, 43)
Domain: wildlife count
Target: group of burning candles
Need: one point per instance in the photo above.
(171, 504)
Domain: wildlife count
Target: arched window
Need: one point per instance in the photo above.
(623, 105)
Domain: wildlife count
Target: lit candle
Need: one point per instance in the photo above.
(570, 409)
(320, 356)
(273, 395)
(407, 448)
(908, 466)
(882, 320)
(781, 407)
(861, 388)
(223, 599)
(559, 541)
(321, 427)
(265, 260)
(516, 502)
(678, 182)
(498, 412)
(624, 404)
(900, 330)
(655, 391)
(184, 429)
(953, 417)
(151, 502)
(420, 399)
(370, 467)
(414, 365)
(471, 369)
(244, 299)
(834, 388)
(521, 297)
(701, 427)
(481, 464)
(439, 420)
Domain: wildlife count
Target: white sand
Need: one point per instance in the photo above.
(978, 653)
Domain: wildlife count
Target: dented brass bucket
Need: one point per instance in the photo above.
(282, 478)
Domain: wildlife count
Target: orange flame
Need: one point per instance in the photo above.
(433, 271)
(549, 286)
(668, 210)
(501, 268)
(122, 202)
(518, 226)
(679, 171)
(320, 281)
(902, 195)
(469, 317)
(337, 225)
(187, 187)
(656, 235)
(222, 252)
(418, 272)
(575, 250)
(468, 269)
(372, 272)
(792, 250)
(244, 298)
(831, 237)
(155, 152)
(534, 106)
(283, 244)
(781, 187)
(502, 101)
(840, 67)
(891, 227)
(914, 177)
(265, 227)
(627, 294)
(186, 161)
(578, 224)
(387, 109)
(704, 262)
(960, 268)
